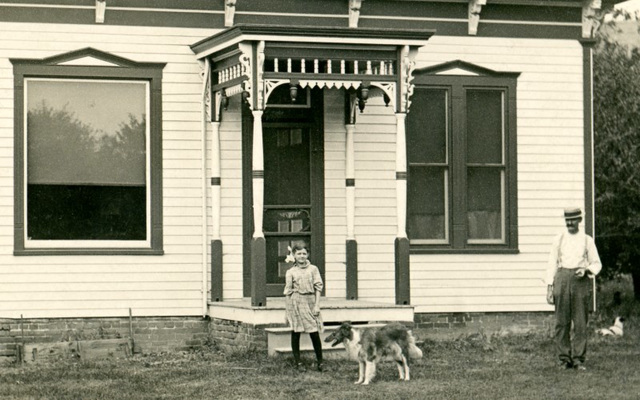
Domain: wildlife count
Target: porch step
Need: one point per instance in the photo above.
(328, 353)
(279, 341)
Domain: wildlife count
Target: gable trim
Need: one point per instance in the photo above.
(87, 52)
(463, 68)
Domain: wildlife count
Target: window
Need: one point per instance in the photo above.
(461, 149)
(87, 156)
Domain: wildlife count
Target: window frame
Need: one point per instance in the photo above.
(110, 68)
(456, 85)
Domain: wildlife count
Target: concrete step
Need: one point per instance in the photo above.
(328, 353)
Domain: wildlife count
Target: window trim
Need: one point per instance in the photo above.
(477, 78)
(111, 68)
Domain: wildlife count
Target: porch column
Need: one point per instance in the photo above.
(403, 295)
(258, 243)
(352, 244)
(216, 242)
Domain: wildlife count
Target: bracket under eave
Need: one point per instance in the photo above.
(354, 12)
(475, 7)
(590, 17)
(101, 6)
(229, 12)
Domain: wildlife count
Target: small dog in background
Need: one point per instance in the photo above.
(368, 346)
(615, 330)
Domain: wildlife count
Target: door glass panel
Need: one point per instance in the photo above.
(287, 220)
(286, 172)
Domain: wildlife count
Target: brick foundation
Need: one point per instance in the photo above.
(166, 334)
(451, 324)
(150, 334)
(234, 335)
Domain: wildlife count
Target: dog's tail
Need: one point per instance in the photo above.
(414, 351)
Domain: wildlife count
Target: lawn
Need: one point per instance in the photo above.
(469, 367)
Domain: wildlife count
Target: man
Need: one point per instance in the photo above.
(573, 260)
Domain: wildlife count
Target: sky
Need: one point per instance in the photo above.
(102, 105)
(631, 5)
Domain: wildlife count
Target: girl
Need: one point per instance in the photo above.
(302, 289)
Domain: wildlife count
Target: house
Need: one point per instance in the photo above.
(158, 158)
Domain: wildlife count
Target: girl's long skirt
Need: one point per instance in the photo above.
(299, 313)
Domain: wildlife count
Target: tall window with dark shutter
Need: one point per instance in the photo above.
(88, 155)
(461, 149)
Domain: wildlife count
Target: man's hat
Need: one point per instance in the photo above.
(572, 213)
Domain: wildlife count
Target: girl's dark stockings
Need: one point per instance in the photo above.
(295, 346)
(315, 340)
(317, 346)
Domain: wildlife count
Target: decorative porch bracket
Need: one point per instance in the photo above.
(475, 7)
(590, 17)
(252, 60)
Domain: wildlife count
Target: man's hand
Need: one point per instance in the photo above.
(550, 294)
(580, 272)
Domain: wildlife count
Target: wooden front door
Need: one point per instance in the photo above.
(294, 186)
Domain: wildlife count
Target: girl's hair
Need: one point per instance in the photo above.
(295, 246)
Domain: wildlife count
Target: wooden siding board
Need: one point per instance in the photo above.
(549, 180)
(540, 93)
(165, 285)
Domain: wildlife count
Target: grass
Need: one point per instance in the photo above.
(471, 367)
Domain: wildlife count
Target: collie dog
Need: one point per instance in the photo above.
(368, 346)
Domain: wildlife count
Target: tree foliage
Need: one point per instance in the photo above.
(617, 155)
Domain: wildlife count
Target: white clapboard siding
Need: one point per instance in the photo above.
(550, 176)
(85, 286)
(376, 225)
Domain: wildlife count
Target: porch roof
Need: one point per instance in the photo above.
(255, 59)
(310, 34)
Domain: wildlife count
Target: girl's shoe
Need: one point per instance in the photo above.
(320, 367)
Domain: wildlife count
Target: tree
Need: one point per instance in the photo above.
(617, 155)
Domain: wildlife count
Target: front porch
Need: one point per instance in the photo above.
(236, 324)
(276, 81)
